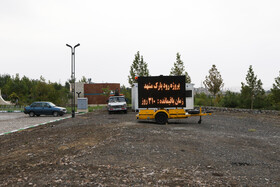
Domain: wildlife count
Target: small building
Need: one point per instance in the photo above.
(94, 92)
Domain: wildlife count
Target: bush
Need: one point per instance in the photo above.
(231, 100)
(202, 100)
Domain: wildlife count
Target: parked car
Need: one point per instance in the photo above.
(44, 108)
(117, 104)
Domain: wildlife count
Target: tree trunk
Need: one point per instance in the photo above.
(252, 102)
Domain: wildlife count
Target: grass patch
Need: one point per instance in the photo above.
(90, 109)
(10, 108)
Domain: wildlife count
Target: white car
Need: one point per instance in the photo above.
(117, 104)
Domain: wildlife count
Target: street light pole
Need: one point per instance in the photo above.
(73, 77)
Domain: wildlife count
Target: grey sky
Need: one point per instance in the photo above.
(230, 34)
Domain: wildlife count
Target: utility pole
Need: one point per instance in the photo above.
(73, 77)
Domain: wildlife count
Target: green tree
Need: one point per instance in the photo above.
(275, 93)
(83, 79)
(213, 82)
(42, 79)
(179, 69)
(4, 79)
(67, 85)
(127, 93)
(40, 91)
(138, 68)
(252, 91)
(14, 86)
(14, 98)
(25, 90)
(106, 91)
(25, 93)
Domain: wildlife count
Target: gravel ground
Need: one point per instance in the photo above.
(97, 149)
(14, 121)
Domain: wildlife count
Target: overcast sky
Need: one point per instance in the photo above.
(230, 34)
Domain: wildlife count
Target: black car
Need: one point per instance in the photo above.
(44, 108)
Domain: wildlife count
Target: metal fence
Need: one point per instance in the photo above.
(11, 108)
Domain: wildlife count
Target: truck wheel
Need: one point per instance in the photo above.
(31, 114)
(161, 118)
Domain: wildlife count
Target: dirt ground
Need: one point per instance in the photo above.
(98, 149)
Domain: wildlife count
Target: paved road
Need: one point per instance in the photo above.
(15, 121)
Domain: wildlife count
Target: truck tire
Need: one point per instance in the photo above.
(161, 118)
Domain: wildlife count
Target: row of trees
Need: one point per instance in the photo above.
(237, 100)
(24, 91)
(252, 93)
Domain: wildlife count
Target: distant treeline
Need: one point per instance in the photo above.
(268, 101)
(23, 91)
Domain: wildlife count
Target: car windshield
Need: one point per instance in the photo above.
(51, 104)
(116, 99)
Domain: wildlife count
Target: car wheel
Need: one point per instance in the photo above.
(31, 114)
(55, 114)
(161, 118)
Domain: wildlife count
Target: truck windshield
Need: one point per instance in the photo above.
(116, 99)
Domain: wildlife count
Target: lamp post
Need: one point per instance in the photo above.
(73, 77)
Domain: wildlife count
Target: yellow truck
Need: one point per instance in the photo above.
(161, 98)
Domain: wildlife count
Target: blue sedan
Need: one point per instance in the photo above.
(44, 108)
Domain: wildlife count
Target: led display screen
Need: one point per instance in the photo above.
(161, 91)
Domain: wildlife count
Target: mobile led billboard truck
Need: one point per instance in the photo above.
(161, 98)
(161, 92)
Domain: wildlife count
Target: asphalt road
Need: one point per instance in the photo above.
(14, 121)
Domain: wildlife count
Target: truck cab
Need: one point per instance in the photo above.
(117, 104)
